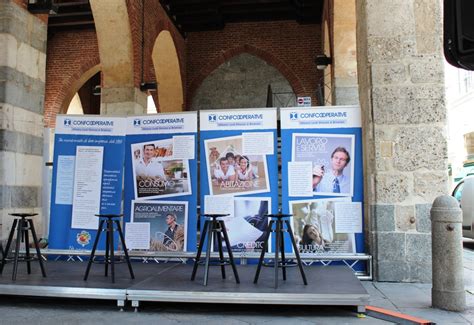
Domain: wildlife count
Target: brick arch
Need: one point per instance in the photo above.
(161, 25)
(168, 73)
(58, 103)
(225, 56)
(76, 81)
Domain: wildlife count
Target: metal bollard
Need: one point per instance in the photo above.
(447, 261)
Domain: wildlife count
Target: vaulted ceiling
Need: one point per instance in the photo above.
(198, 15)
(70, 15)
(201, 15)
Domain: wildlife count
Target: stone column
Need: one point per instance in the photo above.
(344, 58)
(22, 80)
(123, 101)
(119, 93)
(401, 90)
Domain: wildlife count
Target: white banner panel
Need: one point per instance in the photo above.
(90, 125)
(238, 119)
(323, 117)
(181, 122)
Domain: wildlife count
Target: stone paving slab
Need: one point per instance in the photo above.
(436, 315)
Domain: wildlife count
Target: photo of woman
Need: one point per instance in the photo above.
(244, 171)
(314, 227)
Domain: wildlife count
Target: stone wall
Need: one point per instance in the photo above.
(286, 45)
(242, 82)
(401, 91)
(22, 84)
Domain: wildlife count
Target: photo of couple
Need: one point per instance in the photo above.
(231, 172)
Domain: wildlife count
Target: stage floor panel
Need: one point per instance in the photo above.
(170, 282)
(65, 280)
(328, 285)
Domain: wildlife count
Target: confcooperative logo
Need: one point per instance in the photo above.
(67, 122)
(212, 118)
(136, 122)
(293, 116)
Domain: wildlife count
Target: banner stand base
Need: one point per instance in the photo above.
(334, 285)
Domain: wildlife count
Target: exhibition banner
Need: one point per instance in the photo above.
(160, 187)
(87, 177)
(239, 171)
(322, 180)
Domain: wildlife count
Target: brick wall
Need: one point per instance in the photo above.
(286, 45)
(69, 56)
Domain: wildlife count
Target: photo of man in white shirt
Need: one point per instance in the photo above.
(226, 172)
(149, 166)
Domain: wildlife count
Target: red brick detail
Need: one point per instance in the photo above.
(286, 45)
(69, 56)
(155, 21)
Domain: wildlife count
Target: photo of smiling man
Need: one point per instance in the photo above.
(333, 180)
(332, 159)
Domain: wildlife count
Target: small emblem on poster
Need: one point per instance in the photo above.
(83, 238)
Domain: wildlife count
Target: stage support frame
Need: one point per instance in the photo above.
(351, 260)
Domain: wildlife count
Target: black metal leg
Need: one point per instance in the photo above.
(38, 252)
(17, 249)
(9, 243)
(94, 247)
(277, 248)
(107, 249)
(210, 233)
(27, 246)
(229, 250)
(221, 253)
(297, 253)
(36, 243)
(264, 247)
(110, 226)
(125, 251)
(198, 254)
(282, 248)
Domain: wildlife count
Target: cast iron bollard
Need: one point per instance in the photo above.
(446, 230)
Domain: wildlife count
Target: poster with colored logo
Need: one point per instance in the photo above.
(239, 171)
(87, 177)
(322, 179)
(161, 167)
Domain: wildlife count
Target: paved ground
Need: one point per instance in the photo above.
(413, 299)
